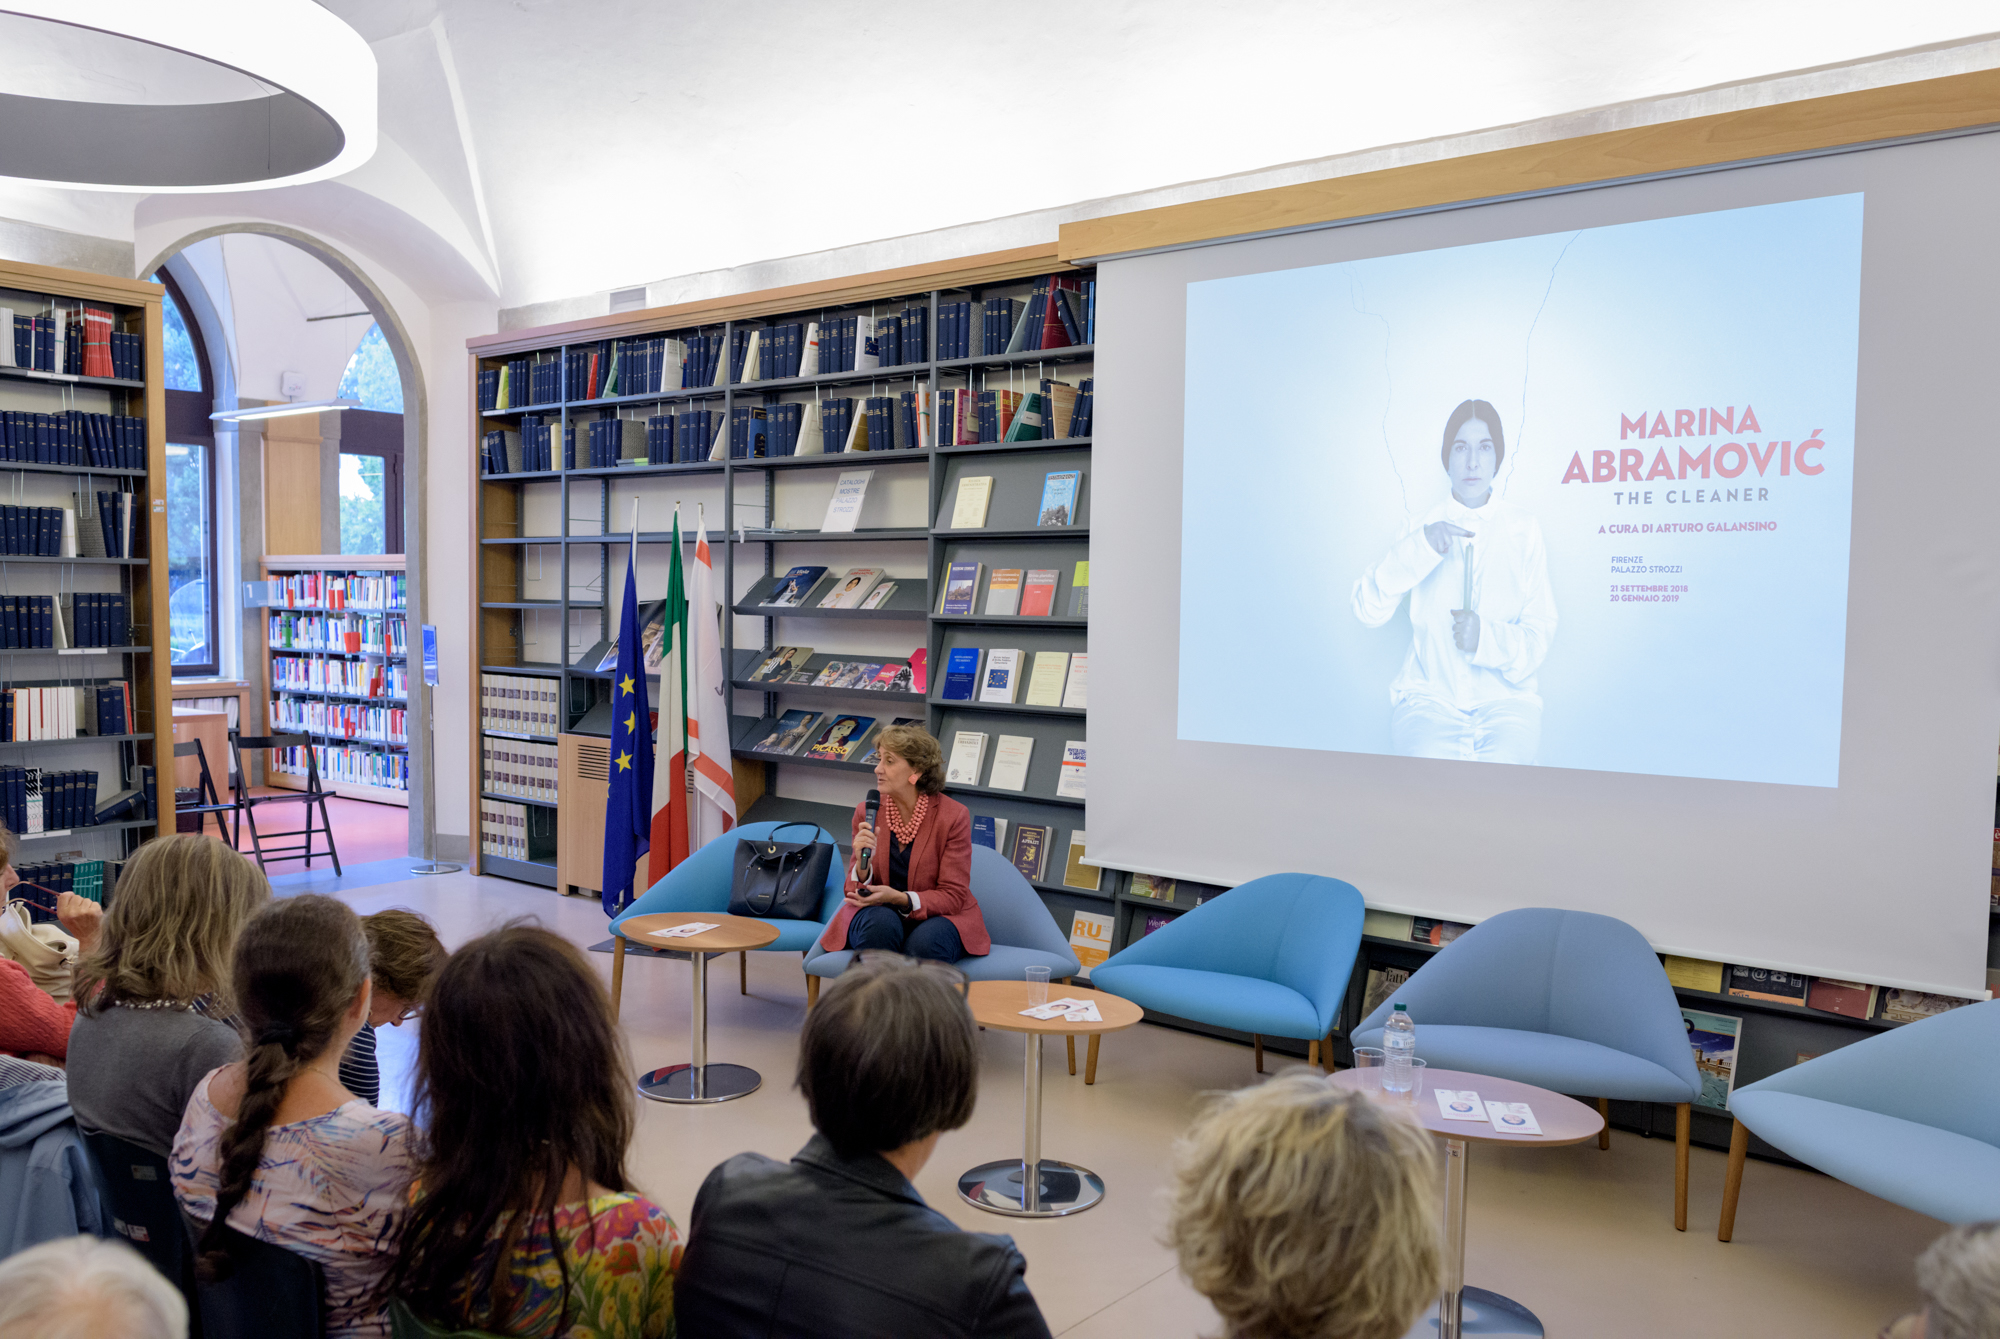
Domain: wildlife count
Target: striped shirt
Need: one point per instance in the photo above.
(359, 1073)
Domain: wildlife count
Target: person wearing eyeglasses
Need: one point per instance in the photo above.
(404, 957)
(838, 1243)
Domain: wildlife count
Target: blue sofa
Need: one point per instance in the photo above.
(701, 883)
(1566, 1000)
(1911, 1116)
(1270, 957)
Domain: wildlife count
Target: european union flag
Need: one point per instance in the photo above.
(628, 816)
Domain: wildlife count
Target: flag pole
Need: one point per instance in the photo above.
(687, 778)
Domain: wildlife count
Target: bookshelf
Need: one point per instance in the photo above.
(123, 417)
(336, 657)
(550, 543)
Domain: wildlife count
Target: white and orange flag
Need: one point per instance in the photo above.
(714, 810)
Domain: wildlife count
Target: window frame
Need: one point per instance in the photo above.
(188, 424)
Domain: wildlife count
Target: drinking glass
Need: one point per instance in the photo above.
(1373, 1059)
(1038, 986)
(1416, 1088)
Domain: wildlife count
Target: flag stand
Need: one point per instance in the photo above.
(432, 864)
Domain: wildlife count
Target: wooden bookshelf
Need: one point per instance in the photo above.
(361, 645)
(548, 555)
(144, 663)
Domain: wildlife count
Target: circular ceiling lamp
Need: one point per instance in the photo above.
(182, 95)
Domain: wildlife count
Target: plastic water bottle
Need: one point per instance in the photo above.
(1399, 1039)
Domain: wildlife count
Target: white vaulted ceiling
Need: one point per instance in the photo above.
(533, 150)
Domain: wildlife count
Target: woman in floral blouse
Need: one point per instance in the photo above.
(524, 1221)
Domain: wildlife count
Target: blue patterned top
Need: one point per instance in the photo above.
(333, 1189)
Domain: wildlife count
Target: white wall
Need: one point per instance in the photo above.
(271, 288)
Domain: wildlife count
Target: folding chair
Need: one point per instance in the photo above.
(140, 1198)
(271, 1293)
(313, 795)
(209, 799)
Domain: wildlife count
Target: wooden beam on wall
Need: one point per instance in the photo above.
(989, 268)
(1926, 107)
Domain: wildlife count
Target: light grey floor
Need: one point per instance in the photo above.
(1583, 1238)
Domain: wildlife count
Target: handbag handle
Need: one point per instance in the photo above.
(785, 876)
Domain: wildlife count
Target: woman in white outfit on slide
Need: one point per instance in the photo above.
(1481, 610)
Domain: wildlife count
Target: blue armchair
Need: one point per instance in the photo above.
(701, 883)
(1565, 1000)
(1911, 1116)
(1024, 934)
(1270, 958)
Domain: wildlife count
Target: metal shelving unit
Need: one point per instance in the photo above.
(582, 498)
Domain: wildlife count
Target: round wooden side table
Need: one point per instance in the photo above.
(1564, 1120)
(698, 1080)
(1055, 1188)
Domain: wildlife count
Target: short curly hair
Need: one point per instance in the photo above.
(404, 953)
(1303, 1209)
(920, 749)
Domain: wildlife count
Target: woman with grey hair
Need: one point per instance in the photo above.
(1959, 1277)
(84, 1288)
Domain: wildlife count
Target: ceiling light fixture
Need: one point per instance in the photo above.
(284, 410)
(312, 118)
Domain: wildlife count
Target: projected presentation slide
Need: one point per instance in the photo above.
(1577, 500)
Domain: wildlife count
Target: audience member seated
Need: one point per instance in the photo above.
(887, 1063)
(272, 1144)
(154, 993)
(32, 1025)
(524, 1220)
(918, 895)
(48, 1187)
(404, 953)
(84, 1288)
(1306, 1212)
(1959, 1278)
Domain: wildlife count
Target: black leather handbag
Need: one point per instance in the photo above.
(780, 880)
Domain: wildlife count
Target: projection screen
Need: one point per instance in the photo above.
(1628, 550)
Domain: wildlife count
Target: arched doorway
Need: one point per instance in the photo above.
(387, 461)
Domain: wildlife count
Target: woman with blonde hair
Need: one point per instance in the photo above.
(1303, 1211)
(154, 991)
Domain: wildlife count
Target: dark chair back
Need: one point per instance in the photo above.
(270, 1294)
(140, 1200)
(208, 800)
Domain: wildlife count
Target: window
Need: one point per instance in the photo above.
(193, 632)
(364, 497)
(184, 364)
(371, 378)
(190, 556)
(371, 480)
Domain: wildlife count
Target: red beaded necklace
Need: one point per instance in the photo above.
(906, 832)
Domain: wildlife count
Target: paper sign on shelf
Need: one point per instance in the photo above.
(843, 512)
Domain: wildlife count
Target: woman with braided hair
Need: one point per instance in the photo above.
(273, 1145)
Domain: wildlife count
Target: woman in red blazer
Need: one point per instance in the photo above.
(918, 898)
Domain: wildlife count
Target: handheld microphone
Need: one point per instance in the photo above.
(872, 808)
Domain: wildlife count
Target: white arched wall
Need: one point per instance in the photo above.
(427, 337)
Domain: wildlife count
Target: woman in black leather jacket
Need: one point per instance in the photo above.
(837, 1243)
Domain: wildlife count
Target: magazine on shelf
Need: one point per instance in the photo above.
(788, 733)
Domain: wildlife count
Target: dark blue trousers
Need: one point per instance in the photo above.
(885, 928)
